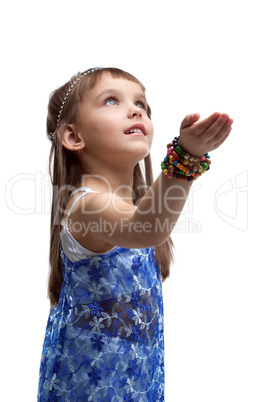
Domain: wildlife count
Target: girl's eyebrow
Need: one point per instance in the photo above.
(118, 92)
(106, 92)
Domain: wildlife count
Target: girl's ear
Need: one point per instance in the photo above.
(70, 138)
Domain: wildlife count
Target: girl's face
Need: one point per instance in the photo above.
(114, 124)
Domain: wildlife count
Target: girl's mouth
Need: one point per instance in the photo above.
(137, 129)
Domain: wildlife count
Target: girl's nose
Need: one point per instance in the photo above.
(134, 111)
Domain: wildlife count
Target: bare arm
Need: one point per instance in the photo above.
(122, 224)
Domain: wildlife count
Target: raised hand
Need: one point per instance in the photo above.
(199, 137)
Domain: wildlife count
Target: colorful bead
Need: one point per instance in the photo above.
(179, 164)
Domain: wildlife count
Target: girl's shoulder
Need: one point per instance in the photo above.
(80, 217)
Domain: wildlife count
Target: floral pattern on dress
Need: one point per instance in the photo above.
(104, 341)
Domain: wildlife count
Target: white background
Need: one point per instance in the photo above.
(192, 56)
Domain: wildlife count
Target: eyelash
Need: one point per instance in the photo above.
(144, 104)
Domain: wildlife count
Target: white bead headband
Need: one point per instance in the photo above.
(52, 136)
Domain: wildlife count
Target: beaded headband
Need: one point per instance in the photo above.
(52, 136)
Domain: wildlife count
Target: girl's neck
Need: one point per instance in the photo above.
(116, 181)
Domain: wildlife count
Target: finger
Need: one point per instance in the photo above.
(226, 129)
(189, 120)
(205, 124)
(219, 141)
(219, 127)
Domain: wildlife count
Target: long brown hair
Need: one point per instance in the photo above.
(66, 172)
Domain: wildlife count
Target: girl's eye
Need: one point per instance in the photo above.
(142, 105)
(111, 101)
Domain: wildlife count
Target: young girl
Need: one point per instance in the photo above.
(110, 246)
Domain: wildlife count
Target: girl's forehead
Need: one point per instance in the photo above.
(108, 82)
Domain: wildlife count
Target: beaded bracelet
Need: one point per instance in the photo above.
(179, 164)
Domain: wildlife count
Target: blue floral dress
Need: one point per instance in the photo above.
(105, 340)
